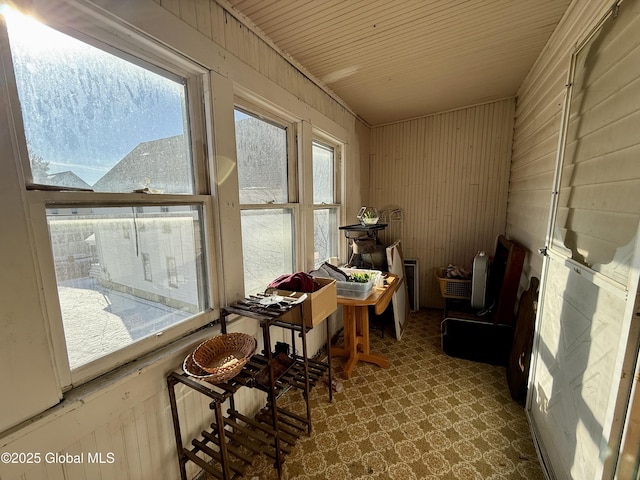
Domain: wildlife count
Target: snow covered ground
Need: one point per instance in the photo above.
(98, 321)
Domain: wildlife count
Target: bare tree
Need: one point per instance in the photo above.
(39, 167)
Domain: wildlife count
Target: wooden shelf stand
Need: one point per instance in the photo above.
(232, 441)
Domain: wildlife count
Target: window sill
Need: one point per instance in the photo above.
(89, 405)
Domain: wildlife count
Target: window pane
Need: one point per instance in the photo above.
(323, 174)
(267, 246)
(125, 273)
(262, 160)
(325, 234)
(95, 120)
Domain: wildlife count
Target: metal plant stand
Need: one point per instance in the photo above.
(232, 441)
(363, 240)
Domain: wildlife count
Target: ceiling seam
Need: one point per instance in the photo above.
(443, 112)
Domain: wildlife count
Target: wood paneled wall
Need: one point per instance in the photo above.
(449, 175)
(536, 131)
(136, 442)
(217, 24)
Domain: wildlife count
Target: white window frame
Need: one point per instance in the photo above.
(300, 138)
(292, 165)
(338, 149)
(293, 169)
(116, 38)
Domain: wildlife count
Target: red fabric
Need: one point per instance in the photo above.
(295, 282)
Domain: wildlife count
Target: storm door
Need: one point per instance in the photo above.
(586, 340)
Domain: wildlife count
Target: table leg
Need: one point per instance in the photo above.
(366, 355)
(351, 332)
(363, 313)
(348, 332)
(356, 340)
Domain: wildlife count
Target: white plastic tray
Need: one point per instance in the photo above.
(357, 290)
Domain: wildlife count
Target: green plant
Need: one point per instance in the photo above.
(359, 277)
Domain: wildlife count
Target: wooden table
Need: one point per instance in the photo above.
(356, 325)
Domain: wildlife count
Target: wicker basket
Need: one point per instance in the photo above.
(223, 356)
(193, 370)
(452, 287)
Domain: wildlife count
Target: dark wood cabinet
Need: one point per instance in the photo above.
(504, 279)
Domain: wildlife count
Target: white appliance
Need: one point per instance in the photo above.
(479, 280)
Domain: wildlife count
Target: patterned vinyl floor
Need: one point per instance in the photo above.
(428, 416)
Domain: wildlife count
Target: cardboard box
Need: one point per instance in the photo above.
(318, 305)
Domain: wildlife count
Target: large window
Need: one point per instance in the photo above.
(115, 282)
(277, 236)
(108, 138)
(326, 210)
(267, 217)
(95, 120)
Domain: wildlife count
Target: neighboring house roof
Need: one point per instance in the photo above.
(161, 165)
(65, 179)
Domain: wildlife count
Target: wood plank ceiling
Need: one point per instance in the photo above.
(395, 60)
